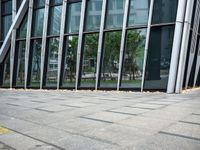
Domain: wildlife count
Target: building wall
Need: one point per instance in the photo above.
(85, 46)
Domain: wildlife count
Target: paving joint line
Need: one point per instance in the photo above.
(179, 135)
(42, 141)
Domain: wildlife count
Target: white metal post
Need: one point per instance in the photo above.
(147, 42)
(176, 46)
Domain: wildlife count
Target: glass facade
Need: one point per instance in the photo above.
(88, 74)
(20, 63)
(34, 68)
(133, 58)
(52, 67)
(110, 59)
(159, 56)
(109, 53)
(35, 63)
(69, 61)
(115, 11)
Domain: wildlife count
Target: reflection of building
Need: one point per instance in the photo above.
(69, 44)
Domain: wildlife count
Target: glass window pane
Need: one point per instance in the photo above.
(93, 15)
(6, 7)
(73, 18)
(54, 20)
(115, 11)
(6, 74)
(88, 75)
(138, 13)
(21, 45)
(164, 11)
(69, 61)
(110, 59)
(38, 19)
(133, 59)
(39, 3)
(6, 23)
(56, 2)
(19, 4)
(35, 62)
(52, 68)
(22, 30)
(159, 56)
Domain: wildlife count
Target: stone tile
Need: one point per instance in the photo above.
(108, 116)
(192, 119)
(54, 108)
(21, 142)
(79, 104)
(154, 124)
(184, 129)
(79, 125)
(166, 142)
(160, 102)
(118, 134)
(129, 110)
(147, 106)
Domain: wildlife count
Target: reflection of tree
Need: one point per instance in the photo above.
(111, 53)
(21, 59)
(90, 52)
(71, 57)
(134, 50)
(53, 58)
(36, 59)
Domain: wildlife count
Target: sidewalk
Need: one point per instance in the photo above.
(85, 120)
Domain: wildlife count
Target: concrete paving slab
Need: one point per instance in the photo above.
(99, 120)
(188, 130)
(107, 116)
(147, 106)
(129, 110)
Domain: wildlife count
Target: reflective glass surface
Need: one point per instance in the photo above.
(22, 30)
(73, 18)
(38, 19)
(20, 66)
(138, 12)
(133, 59)
(88, 74)
(52, 68)
(19, 4)
(6, 23)
(69, 61)
(56, 2)
(115, 12)
(35, 60)
(110, 59)
(6, 74)
(6, 7)
(93, 15)
(159, 56)
(54, 20)
(39, 3)
(164, 11)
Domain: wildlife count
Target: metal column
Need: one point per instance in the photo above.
(123, 41)
(100, 43)
(193, 42)
(13, 42)
(28, 40)
(184, 46)
(197, 66)
(80, 40)
(44, 39)
(16, 22)
(176, 46)
(62, 30)
(147, 42)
